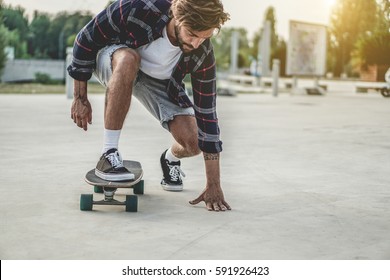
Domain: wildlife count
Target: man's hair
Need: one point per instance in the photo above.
(199, 15)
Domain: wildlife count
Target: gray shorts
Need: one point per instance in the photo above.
(151, 92)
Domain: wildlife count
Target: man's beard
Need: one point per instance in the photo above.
(181, 43)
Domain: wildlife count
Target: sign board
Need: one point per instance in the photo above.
(306, 52)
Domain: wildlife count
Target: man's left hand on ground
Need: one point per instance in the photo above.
(213, 198)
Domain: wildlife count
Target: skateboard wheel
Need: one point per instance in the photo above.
(139, 187)
(98, 189)
(131, 203)
(86, 202)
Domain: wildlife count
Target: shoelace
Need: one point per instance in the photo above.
(115, 159)
(175, 171)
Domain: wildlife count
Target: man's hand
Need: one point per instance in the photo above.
(81, 111)
(213, 198)
(212, 194)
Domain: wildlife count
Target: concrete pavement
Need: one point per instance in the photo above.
(307, 178)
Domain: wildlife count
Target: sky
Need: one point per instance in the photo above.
(248, 14)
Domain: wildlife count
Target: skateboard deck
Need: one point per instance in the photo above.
(108, 189)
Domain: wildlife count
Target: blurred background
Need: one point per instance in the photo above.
(357, 36)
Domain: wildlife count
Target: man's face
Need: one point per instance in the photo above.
(189, 40)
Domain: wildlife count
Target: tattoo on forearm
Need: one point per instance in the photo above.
(78, 95)
(211, 156)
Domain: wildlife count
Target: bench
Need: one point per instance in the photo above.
(365, 87)
(289, 85)
(243, 79)
(315, 90)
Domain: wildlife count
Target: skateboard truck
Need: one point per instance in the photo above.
(108, 189)
(109, 194)
(131, 202)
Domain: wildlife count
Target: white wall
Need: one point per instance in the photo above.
(24, 69)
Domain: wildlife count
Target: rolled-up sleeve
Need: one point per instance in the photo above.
(205, 97)
(123, 22)
(102, 30)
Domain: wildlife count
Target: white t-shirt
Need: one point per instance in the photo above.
(159, 57)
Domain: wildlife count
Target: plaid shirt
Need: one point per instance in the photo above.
(137, 23)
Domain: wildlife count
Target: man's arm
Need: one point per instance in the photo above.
(81, 111)
(212, 194)
(123, 22)
(205, 103)
(99, 32)
(204, 93)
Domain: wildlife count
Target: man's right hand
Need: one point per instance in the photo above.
(81, 111)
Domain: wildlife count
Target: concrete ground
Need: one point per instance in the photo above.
(307, 178)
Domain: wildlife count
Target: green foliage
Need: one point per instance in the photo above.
(2, 46)
(222, 48)
(375, 49)
(46, 36)
(45, 79)
(270, 16)
(15, 19)
(62, 26)
(70, 40)
(278, 45)
(280, 52)
(3, 39)
(16, 23)
(42, 78)
(350, 22)
(385, 10)
(221, 44)
(39, 27)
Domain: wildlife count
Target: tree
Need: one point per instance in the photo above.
(385, 8)
(16, 23)
(222, 48)
(278, 45)
(2, 39)
(15, 19)
(50, 34)
(383, 16)
(280, 53)
(350, 21)
(74, 23)
(374, 49)
(57, 37)
(374, 46)
(39, 35)
(269, 15)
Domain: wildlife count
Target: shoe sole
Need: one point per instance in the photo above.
(171, 188)
(114, 178)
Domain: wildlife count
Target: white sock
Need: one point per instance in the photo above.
(111, 139)
(170, 157)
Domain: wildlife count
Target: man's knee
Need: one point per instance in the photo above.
(126, 60)
(185, 132)
(191, 146)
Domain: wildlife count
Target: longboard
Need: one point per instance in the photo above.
(108, 189)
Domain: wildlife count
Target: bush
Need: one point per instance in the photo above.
(43, 78)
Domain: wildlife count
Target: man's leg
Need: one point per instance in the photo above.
(179, 121)
(184, 130)
(124, 65)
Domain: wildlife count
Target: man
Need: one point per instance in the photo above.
(145, 48)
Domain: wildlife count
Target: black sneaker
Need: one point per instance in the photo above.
(172, 175)
(110, 167)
